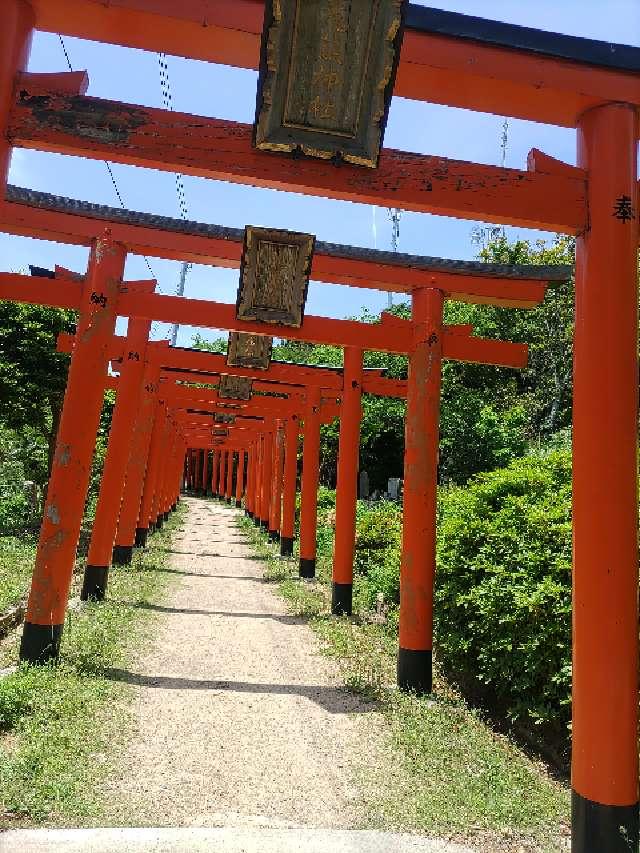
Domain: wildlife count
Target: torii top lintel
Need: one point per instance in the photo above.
(35, 214)
(446, 58)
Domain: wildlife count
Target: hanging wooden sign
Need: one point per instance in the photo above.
(326, 77)
(234, 387)
(250, 351)
(224, 419)
(274, 276)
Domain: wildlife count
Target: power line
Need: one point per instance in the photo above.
(106, 162)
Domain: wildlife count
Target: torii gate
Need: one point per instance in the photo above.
(465, 62)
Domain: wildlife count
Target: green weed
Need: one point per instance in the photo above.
(59, 722)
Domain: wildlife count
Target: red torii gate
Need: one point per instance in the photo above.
(460, 61)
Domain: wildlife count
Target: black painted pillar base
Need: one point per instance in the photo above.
(415, 670)
(238, 504)
(151, 528)
(286, 546)
(597, 828)
(159, 522)
(342, 599)
(264, 524)
(165, 516)
(248, 513)
(307, 567)
(122, 555)
(40, 643)
(94, 584)
(173, 506)
(229, 501)
(274, 536)
(142, 535)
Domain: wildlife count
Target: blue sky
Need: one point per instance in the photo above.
(198, 87)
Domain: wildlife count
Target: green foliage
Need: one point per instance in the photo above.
(503, 582)
(503, 599)
(16, 511)
(61, 717)
(32, 374)
(17, 554)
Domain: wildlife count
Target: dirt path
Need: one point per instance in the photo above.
(237, 715)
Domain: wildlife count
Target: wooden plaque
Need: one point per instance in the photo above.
(249, 350)
(221, 418)
(234, 387)
(274, 276)
(327, 72)
(218, 433)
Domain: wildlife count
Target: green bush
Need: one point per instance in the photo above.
(503, 585)
(377, 557)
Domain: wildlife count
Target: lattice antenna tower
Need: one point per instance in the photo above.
(167, 99)
(395, 215)
(482, 235)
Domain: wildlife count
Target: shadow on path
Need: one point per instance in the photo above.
(333, 699)
(161, 608)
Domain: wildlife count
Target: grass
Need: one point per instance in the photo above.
(447, 772)
(16, 561)
(59, 723)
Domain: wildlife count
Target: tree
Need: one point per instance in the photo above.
(32, 374)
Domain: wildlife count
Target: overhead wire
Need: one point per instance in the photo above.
(106, 162)
(167, 98)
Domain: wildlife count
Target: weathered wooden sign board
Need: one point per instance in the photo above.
(234, 387)
(224, 419)
(326, 77)
(250, 351)
(274, 276)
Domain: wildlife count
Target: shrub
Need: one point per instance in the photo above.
(503, 585)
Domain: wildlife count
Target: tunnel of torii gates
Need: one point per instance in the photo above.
(421, 54)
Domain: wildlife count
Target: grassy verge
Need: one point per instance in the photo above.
(59, 723)
(448, 772)
(16, 561)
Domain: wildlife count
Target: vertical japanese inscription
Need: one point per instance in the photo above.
(274, 276)
(249, 350)
(234, 387)
(326, 77)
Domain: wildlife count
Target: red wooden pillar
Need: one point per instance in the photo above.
(167, 473)
(214, 473)
(222, 473)
(242, 457)
(267, 480)
(252, 464)
(197, 487)
(605, 499)
(287, 528)
(75, 444)
(347, 484)
(310, 481)
(145, 520)
(258, 482)
(128, 532)
(17, 20)
(205, 472)
(275, 510)
(229, 488)
(417, 569)
(115, 464)
(157, 518)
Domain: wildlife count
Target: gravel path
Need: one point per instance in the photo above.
(237, 716)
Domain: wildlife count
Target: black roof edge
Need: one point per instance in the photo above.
(621, 57)
(46, 201)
